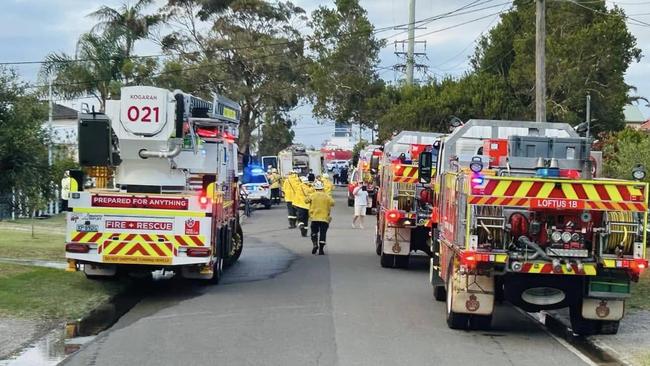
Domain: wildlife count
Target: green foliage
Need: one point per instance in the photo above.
(247, 50)
(276, 136)
(623, 150)
(356, 151)
(587, 52)
(23, 152)
(343, 76)
(102, 62)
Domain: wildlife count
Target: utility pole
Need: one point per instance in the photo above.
(49, 123)
(588, 117)
(410, 66)
(410, 52)
(540, 58)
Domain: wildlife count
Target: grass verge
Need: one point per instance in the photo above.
(21, 245)
(640, 294)
(50, 294)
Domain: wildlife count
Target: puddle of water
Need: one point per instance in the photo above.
(48, 350)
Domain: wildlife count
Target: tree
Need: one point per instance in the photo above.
(623, 150)
(23, 148)
(127, 22)
(95, 68)
(343, 76)
(248, 50)
(276, 136)
(588, 50)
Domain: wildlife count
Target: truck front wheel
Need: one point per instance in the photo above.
(236, 248)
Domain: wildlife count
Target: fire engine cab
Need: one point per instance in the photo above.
(170, 200)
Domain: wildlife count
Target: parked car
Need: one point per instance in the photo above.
(257, 189)
(337, 164)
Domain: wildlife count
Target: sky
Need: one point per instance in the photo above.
(31, 29)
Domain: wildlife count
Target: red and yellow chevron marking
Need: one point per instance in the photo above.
(589, 269)
(610, 196)
(138, 245)
(405, 174)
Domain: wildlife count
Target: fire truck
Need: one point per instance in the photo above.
(297, 158)
(405, 202)
(172, 203)
(523, 220)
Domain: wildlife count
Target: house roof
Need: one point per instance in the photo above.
(633, 114)
(645, 126)
(62, 112)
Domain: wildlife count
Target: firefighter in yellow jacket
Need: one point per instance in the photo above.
(287, 188)
(320, 207)
(301, 191)
(327, 184)
(274, 180)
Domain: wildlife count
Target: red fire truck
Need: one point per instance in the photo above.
(523, 220)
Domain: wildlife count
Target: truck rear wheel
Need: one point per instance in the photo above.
(439, 293)
(236, 248)
(480, 322)
(394, 261)
(378, 242)
(587, 327)
(454, 320)
(217, 271)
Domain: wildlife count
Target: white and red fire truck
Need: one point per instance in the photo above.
(523, 220)
(172, 204)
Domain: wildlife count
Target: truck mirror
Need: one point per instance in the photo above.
(425, 166)
(374, 163)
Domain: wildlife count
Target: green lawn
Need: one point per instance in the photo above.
(44, 293)
(50, 294)
(640, 293)
(20, 244)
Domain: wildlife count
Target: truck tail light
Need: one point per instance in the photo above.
(638, 265)
(393, 216)
(471, 259)
(199, 252)
(77, 248)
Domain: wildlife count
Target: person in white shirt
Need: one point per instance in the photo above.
(360, 203)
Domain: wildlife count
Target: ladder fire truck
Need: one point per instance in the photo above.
(523, 220)
(405, 202)
(173, 202)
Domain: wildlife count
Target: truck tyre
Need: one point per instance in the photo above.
(217, 271)
(587, 327)
(480, 322)
(387, 260)
(237, 247)
(439, 293)
(378, 244)
(580, 325)
(454, 320)
(402, 261)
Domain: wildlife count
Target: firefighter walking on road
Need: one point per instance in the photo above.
(289, 193)
(274, 180)
(327, 184)
(320, 207)
(302, 190)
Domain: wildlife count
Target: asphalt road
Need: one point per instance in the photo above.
(280, 305)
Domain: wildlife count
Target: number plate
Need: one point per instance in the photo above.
(87, 228)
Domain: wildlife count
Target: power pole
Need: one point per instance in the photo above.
(49, 123)
(540, 58)
(410, 52)
(588, 117)
(410, 66)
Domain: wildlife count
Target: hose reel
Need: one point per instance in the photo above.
(622, 230)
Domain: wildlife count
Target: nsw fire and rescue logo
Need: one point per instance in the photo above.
(192, 227)
(472, 304)
(602, 310)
